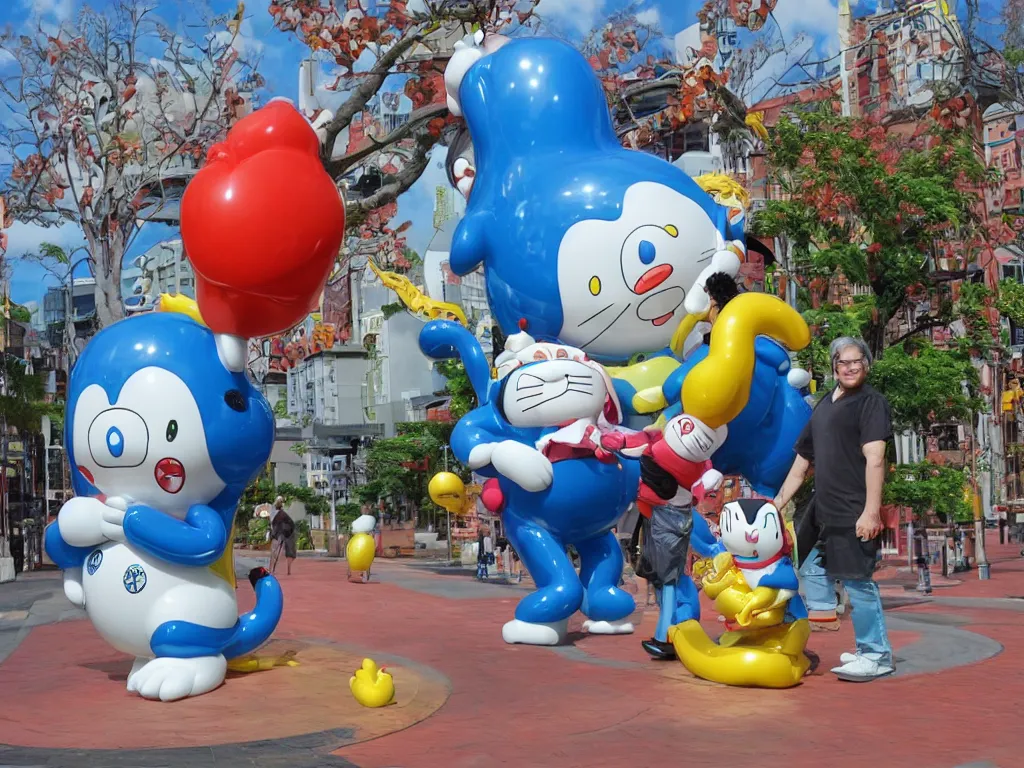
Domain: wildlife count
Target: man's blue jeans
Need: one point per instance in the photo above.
(865, 600)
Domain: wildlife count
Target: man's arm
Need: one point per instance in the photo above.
(870, 523)
(875, 432)
(801, 465)
(795, 478)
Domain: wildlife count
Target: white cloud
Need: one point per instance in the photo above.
(246, 43)
(25, 239)
(649, 16)
(579, 15)
(819, 18)
(59, 10)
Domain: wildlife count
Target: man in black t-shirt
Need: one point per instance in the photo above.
(845, 442)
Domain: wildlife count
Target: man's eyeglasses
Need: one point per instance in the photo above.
(849, 365)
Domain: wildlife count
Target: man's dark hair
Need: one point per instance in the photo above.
(721, 288)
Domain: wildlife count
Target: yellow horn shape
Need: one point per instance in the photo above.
(180, 304)
(686, 326)
(718, 387)
(767, 659)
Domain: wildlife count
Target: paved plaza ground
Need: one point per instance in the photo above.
(466, 699)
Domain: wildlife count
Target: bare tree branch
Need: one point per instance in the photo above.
(356, 211)
(369, 85)
(340, 166)
(103, 109)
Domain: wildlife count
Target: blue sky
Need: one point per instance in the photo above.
(280, 55)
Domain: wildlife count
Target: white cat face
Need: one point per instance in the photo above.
(149, 446)
(552, 392)
(623, 283)
(752, 528)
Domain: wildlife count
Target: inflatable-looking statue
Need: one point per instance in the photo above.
(164, 429)
(537, 432)
(618, 242)
(674, 466)
(755, 587)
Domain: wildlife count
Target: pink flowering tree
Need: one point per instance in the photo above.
(899, 212)
(110, 116)
(372, 45)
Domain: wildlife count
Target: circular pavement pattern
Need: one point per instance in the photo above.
(283, 703)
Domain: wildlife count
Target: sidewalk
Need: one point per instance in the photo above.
(1007, 575)
(467, 699)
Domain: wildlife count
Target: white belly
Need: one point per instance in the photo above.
(753, 576)
(128, 594)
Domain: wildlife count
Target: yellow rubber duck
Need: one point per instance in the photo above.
(372, 687)
(755, 587)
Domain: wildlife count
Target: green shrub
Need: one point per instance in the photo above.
(259, 527)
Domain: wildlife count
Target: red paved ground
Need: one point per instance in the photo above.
(522, 706)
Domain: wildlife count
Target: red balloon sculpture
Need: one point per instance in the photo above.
(262, 224)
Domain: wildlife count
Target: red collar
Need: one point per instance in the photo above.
(748, 565)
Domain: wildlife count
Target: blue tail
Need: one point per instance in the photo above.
(444, 340)
(185, 640)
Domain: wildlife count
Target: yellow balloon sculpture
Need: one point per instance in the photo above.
(361, 547)
(447, 490)
(753, 582)
(718, 387)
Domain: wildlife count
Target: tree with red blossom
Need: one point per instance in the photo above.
(373, 157)
(898, 212)
(110, 116)
(651, 95)
(370, 42)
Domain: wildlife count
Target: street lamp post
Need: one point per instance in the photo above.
(448, 514)
(330, 486)
(979, 515)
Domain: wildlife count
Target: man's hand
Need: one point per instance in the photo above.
(869, 525)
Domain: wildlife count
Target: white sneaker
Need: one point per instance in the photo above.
(846, 658)
(861, 670)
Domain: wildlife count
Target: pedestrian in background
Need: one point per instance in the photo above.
(282, 536)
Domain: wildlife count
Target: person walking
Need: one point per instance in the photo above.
(845, 442)
(482, 542)
(282, 536)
